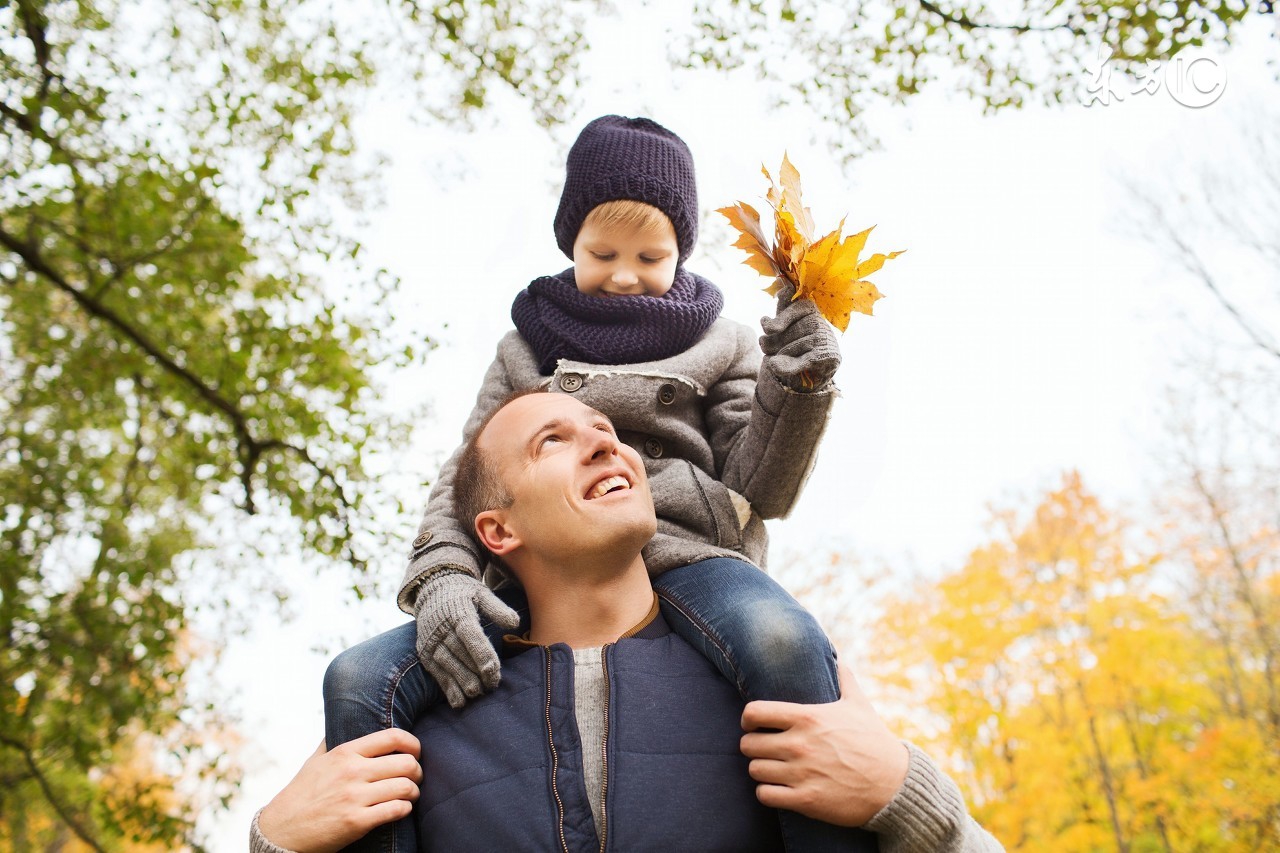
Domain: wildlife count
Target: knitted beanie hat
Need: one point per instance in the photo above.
(629, 158)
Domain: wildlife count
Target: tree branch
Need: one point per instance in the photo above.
(47, 789)
(1198, 269)
(1244, 590)
(34, 22)
(963, 21)
(250, 447)
(96, 309)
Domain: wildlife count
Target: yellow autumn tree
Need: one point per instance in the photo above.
(1062, 677)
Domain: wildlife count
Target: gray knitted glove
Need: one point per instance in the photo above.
(451, 644)
(800, 346)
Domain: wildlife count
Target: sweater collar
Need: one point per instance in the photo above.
(648, 628)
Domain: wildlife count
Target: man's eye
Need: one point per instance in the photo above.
(547, 439)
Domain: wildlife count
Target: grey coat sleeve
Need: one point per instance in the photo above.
(443, 540)
(929, 813)
(765, 436)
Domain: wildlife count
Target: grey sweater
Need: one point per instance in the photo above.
(725, 446)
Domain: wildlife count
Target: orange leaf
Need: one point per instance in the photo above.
(746, 220)
(828, 271)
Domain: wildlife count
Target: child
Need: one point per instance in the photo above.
(727, 439)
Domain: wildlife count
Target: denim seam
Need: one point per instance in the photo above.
(706, 631)
(392, 837)
(388, 721)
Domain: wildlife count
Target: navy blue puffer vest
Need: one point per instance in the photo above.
(505, 772)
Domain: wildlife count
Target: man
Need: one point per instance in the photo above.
(657, 727)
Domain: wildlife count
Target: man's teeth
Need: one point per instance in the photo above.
(609, 484)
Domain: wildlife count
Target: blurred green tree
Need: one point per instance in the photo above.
(841, 58)
(171, 367)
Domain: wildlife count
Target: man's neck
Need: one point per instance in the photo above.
(584, 610)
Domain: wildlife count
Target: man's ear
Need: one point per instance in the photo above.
(495, 533)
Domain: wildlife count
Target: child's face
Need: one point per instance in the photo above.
(621, 261)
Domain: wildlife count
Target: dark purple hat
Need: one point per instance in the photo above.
(629, 158)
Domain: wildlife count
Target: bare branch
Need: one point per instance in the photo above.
(1197, 267)
(1245, 593)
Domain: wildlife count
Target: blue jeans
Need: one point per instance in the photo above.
(739, 618)
(769, 647)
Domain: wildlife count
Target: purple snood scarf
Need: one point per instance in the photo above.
(559, 321)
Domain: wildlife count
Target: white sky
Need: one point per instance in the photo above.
(1024, 332)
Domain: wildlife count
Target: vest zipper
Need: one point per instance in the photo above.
(604, 754)
(555, 756)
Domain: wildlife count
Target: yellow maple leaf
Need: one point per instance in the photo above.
(830, 270)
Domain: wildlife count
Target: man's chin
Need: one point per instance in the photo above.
(622, 541)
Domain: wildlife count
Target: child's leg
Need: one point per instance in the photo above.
(379, 684)
(770, 647)
(756, 634)
(373, 686)
(376, 685)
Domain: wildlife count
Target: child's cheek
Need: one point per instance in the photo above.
(585, 279)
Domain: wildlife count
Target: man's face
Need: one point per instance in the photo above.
(622, 261)
(576, 489)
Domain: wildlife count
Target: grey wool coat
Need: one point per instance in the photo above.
(725, 445)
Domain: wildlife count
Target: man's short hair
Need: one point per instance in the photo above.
(477, 484)
(625, 213)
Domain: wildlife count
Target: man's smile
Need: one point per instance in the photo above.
(613, 482)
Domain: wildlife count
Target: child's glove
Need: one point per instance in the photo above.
(799, 345)
(451, 644)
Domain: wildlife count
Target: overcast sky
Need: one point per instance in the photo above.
(1027, 331)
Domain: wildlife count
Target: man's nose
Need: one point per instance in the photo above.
(601, 444)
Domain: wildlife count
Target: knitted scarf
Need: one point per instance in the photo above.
(559, 321)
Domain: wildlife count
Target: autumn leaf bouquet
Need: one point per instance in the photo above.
(828, 270)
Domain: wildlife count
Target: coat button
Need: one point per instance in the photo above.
(570, 382)
(667, 394)
(653, 447)
(423, 539)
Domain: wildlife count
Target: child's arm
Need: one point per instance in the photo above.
(442, 585)
(764, 424)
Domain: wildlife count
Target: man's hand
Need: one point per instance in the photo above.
(451, 644)
(799, 345)
(836, 762)
(340, 795)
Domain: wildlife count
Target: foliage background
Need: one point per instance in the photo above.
(1045, 320)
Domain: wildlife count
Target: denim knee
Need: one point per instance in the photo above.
(782, 638)
(355, 672)
(756, 634)
(372, 668)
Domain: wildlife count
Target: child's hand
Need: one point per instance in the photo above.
(800, 347)
(451, 643)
